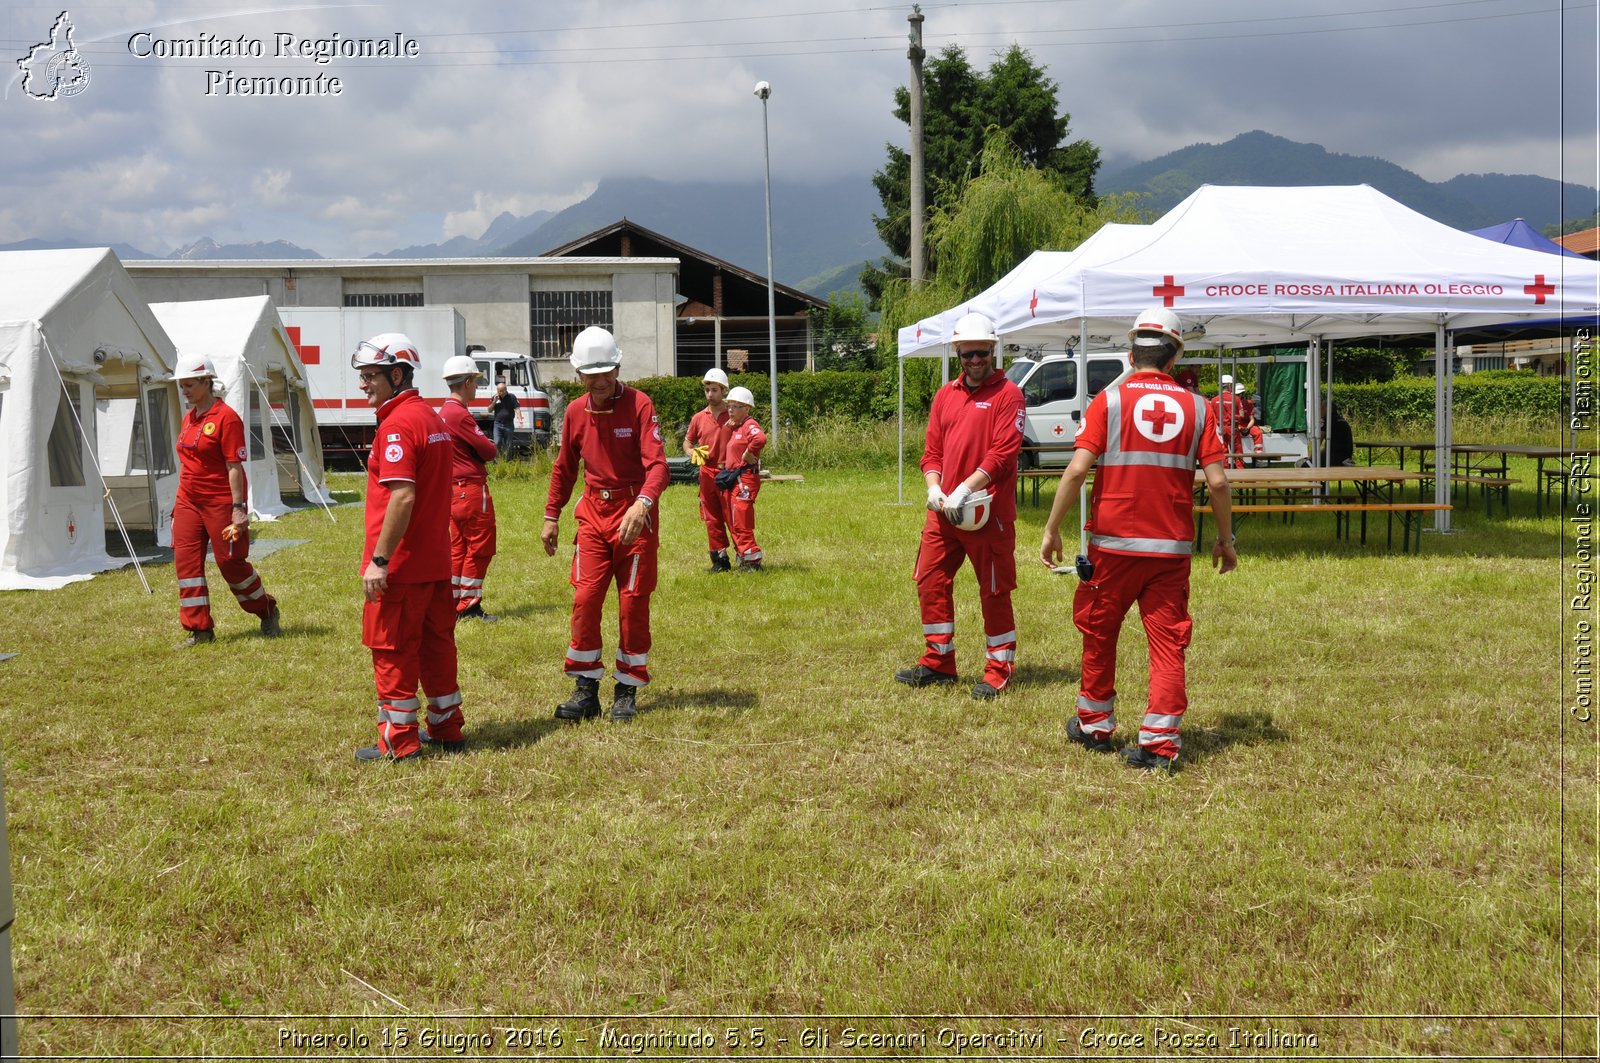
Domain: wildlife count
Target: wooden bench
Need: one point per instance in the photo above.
(1410, 512)
(1503, 484)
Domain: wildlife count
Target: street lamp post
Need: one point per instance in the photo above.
(762, 91)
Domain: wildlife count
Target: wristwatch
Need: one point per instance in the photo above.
(381, 562)
(648, 502)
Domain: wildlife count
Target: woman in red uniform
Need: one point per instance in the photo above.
(212, 507)
(704, 443)
(741, 458)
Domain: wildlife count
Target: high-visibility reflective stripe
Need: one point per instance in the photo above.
(446, 701)
(632, 658)
(259, 592)
(629, 680)
(1143, 546)
(754, 555)
(1144, 457)
(938, 629)
(1092, 705)
(199, 582)
(942, 647)
(587, 673)
(435, 718)
(242, 584)
(575, 654)
(465, 582)
(1001, 640)
(1156, 719)
(1147, 738)
(1104, 727)
(404, 719)
(190, 603)
(1001, 655)
(403, 703)
(455, 579)
(633, 573)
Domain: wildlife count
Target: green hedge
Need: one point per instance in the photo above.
(863, 396)
(1496, 393)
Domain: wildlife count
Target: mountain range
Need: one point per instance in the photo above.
(822, 234)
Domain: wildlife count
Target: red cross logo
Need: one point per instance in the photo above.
(1167, 291)
(1538, 289)
(919, 333)
(1058, 430)
(1033, 304)
(310, 354)
(1157, 419)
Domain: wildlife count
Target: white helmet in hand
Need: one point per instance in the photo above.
(974, 511)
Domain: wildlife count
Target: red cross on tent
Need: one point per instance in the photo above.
(1033, 304)
(1538, 289)
(1159, 416)
(1167, 290)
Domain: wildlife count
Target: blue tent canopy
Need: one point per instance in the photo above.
(1519, 233)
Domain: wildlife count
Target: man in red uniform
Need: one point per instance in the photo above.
(212, 507)
(613, 431)
(704, 442)
(1147, 434)
(1247, 417)
(1226, 416)
(409, 621)
(472, 526)
(741, 463)
(974, 437)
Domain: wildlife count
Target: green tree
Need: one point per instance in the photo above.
(960, 106)
(844, 340)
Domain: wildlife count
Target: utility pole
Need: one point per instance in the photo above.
(919, 206)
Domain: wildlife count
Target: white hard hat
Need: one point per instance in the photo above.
(459, 365)
(595, 351)
(715, 376)
(742, 396)
(191, 366)
(1238, 389)
(1227, 381)
(973, 327)
(1159, 320)
(386, 348)
(974, 512)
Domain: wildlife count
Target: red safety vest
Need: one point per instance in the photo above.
(1144, 480)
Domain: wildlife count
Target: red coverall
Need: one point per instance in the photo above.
(713, 432)
(472, 526)
(1247, 416)
(411, 630)
(207, 443)
(1228, 420)
(1150, 435)
(740, 503)
(623, 458)
(968, 430)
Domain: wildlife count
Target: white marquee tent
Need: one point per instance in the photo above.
(265, 383)
(1252, 266)
(86, 413)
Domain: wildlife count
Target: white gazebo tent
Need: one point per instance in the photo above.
(87, 413)
(1255, 266)
(264, 381)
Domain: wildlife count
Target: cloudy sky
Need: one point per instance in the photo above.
(523, 107)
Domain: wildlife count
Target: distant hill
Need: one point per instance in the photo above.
(126, 252)
(207, 248)
(505, 229)
(815, 228)
(1470, 201)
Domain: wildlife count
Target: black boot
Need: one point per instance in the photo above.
(719, 562)
(623, 706)
(584, 703)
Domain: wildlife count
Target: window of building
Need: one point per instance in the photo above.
(558, 317)
(382, 299)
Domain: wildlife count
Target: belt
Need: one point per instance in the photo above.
(607, 494)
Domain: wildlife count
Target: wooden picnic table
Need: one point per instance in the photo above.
(1297, 490)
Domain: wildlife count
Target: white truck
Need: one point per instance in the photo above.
(325, 336)
(1050, 388)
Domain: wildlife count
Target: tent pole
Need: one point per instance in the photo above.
(1442, 462)
(900, 362)
(1083, 408)
(267, 412)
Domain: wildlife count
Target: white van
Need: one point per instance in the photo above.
(1050, 388)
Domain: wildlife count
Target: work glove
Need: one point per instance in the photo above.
(955, 500)
(728, 479)
(700, 455)
(935, 498)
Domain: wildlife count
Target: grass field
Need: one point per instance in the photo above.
(1382, 842)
